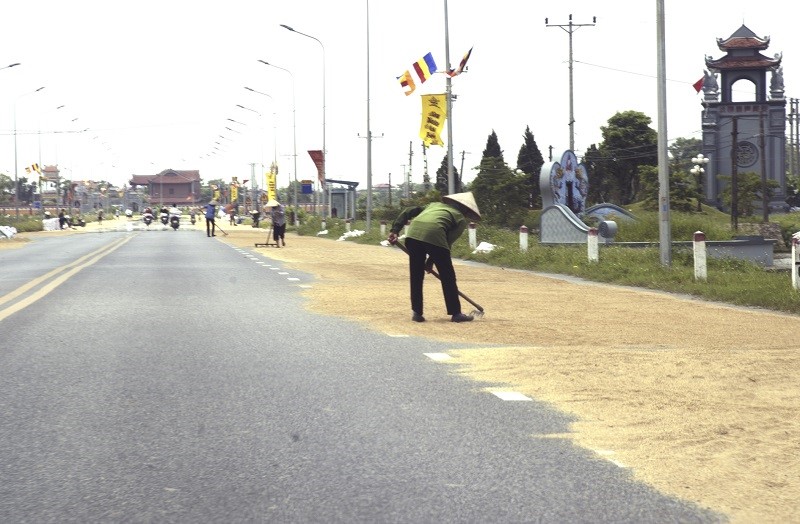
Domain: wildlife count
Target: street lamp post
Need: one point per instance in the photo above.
(16, 167)
(274, 120)
(324, 150)
(274, 132)
(294, 139)
(699, 161)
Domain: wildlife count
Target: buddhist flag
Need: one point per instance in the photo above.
(407, 83)
(461, 66)
(434, 113)
(699, 84)
(425, 67)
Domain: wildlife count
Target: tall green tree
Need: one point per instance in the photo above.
(681, 153)
(628, 143)
(600, 182)
(442, 183)
(6, 187)
(530, 162)
(499, 192)
(748, 192)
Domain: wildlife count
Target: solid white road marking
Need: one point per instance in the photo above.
(438, 356)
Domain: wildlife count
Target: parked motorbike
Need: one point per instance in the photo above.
(175, 218)
(193, 217)
(147, 216)
(164, 217)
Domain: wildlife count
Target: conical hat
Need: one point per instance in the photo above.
(465, 202)
(272, 203)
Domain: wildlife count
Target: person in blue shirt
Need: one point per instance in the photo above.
(211, 211)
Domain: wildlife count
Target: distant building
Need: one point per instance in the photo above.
(171, 186)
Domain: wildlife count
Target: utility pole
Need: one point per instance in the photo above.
(426, 179)
(571, 28)
(390, 190)
(764, 196)
(734, 175)
(405, 181)
(410, 157)
(461, 173)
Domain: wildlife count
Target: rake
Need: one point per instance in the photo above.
(477, 312)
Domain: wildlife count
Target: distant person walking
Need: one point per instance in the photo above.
(278, 224)
(431, 234)
(211, 213)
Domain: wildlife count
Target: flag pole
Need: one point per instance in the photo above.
(451, 183)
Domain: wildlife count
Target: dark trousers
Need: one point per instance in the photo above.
(418, 252)
(211, 227)
(278, 232)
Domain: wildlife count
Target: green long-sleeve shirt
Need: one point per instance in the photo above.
(437, 223)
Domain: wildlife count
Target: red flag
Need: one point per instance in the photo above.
(319, 160)
(698, 86)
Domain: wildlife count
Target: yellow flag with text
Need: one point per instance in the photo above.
(234, 192)
(272, 192)
(434, 113)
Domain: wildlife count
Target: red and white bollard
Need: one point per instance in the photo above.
(473, 236)
(592, 245)
(699, 248)
(796, 262)
(523, 238)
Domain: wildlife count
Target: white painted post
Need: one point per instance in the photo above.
(523, 238)
(323, 225)
(383, 228)
(795, 261)
(473, 242)
(347, 225)
(699, 248)
(592, 245)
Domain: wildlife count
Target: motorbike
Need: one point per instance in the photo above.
(192, 217)
(164, 217)
(174, 218)
(147, 216)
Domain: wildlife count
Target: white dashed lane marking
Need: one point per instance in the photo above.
(438, 356)
(511, 395)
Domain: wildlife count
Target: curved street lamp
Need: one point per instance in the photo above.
(294, 140)
(324, 150)
(16, 167)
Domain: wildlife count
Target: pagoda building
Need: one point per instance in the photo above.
(742, 109)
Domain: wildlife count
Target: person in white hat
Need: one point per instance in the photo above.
(431, 234)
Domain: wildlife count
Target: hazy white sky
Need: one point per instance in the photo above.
(152, 84)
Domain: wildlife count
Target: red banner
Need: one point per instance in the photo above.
(319, 160)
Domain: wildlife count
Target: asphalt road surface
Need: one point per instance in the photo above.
(164, 376)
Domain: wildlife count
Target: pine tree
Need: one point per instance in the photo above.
(441, 178)
(498, 192)
(530, 162)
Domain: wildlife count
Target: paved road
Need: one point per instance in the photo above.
(163, 376)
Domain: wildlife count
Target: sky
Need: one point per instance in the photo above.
(153, 85)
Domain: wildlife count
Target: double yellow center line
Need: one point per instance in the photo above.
(53, 279)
